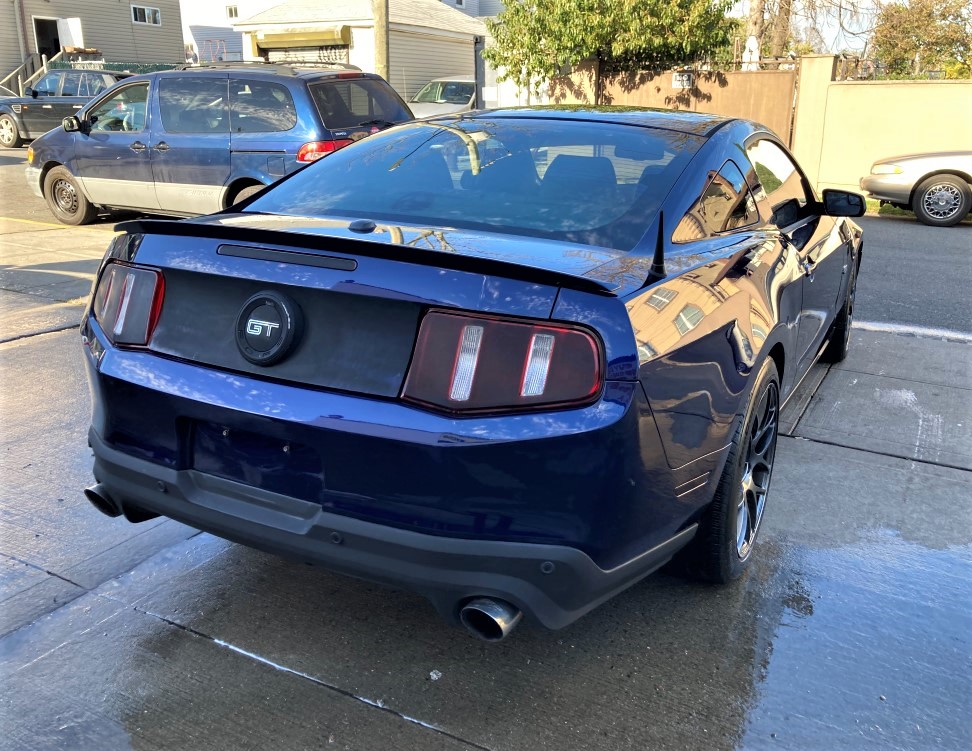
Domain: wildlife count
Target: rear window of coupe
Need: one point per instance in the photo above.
(598, 184)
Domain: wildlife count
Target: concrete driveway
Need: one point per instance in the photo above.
(852, 630)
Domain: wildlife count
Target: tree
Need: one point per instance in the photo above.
(924, 35)
(534, 40)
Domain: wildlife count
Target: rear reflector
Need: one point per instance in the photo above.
(311, 152)
(128, 302)
(473, 363)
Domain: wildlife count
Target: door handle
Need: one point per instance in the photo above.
(138, 147)
(161, 147)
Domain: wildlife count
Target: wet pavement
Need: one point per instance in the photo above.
(852, 630)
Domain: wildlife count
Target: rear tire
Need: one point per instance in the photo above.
(840, 334)
(727, 533)
(942, 201)
(246, 192)
(66, 200)
(9, 133)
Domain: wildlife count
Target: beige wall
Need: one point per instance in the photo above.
(765, 96)
(107, 25)
(842, 128)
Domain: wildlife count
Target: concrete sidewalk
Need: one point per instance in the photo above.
(851, 631)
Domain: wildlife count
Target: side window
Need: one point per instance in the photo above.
(726, 204)
(47, 86)
(71, 84)
(124, 110)
(194, 105)
(93, 84)
(780, 181)
(260, 107)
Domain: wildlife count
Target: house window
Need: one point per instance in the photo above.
(232, 11)
(146, 15)
(460, 3)
(688, 318)
(661, 297)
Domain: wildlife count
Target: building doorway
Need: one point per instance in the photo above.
(46, 36)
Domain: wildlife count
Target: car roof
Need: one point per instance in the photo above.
(115, 73)
(695, 123)
(457, 79)
(270, 70)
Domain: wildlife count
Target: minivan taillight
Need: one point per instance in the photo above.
(128, 302)
(311, 152)
(473, 363)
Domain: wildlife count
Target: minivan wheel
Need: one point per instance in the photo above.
(9, 133)
(65, 199)
(728, 531)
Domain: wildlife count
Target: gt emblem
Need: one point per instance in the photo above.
(258, 328)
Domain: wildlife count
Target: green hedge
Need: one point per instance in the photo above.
(121, 67)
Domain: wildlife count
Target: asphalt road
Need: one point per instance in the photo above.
(853, 629)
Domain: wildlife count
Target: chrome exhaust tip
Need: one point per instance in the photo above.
(489, 619)
(98, 498)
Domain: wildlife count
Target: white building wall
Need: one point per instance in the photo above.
(362, 51)
(414, 59)
(490, 7)
(207, 26)
(469, 7)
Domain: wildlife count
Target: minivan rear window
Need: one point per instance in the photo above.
(352, 103)
(260, 107)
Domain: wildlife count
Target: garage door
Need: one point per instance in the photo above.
(328, 54)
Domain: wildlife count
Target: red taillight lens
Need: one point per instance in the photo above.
(128, 303)
(311, 152)
(465, 363)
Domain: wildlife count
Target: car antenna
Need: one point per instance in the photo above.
(657, 270)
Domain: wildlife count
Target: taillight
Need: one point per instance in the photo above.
(471, 363)
(128, 302)
(311, 152)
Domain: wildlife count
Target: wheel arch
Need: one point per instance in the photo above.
(935, 173)
(238, 184)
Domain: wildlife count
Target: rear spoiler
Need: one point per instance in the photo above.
(279, 239)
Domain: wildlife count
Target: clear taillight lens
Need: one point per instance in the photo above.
(128, 302)
(469, 363)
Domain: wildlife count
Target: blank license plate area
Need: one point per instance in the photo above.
(272, 464)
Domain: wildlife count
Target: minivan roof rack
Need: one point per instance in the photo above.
(282, 67)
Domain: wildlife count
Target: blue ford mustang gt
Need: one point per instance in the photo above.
(513, 360)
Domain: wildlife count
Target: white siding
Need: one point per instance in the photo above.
(469, 7)
(415, 59)
(107, 25)
(491, 7)
(212, 40)
(10, 56)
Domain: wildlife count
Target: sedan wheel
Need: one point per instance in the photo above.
(942, 200)
(727, 533)
(9, 133)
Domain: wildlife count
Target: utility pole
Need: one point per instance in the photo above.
(379, 9)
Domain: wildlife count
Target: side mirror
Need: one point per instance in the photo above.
(71, 124)
(31, 92)
(843, 203)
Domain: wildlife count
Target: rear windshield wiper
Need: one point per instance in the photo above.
(380, 123)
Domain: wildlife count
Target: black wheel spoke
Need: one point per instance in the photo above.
(759, 451)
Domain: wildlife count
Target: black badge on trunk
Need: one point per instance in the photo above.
(268, 327)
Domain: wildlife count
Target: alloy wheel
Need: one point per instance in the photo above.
(760, 452)
(6, 131)
(942, 201)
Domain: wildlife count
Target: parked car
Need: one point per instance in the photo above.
(55, 96)
(937, 187)
(443, 96)
(194, 141)
(516, 389)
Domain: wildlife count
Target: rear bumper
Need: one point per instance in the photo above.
(552, 584)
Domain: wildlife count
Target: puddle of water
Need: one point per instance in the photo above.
(872, 649)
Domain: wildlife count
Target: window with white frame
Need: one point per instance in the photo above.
(232, 11)
(146, 15)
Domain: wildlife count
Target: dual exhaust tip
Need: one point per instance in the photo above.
(486, 618)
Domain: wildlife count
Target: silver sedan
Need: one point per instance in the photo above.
(935, 186)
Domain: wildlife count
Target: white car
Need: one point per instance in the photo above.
(443, 96)
(937, 187)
